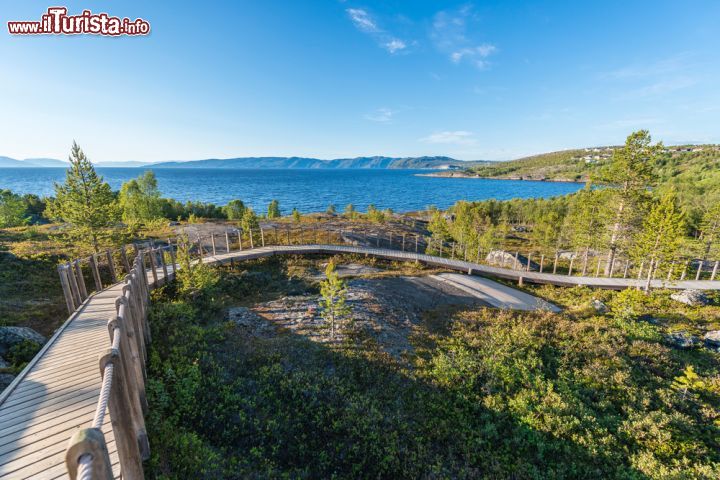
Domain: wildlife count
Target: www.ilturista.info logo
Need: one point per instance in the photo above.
(57, 22)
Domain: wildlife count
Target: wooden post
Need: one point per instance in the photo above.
(153, 267)
(133, 375)
(640, 272)
(477, 258)
(515, 264)
(65, 283)
(239, 233)
(700, 268)
(80, 279)
(542, 262)
(89, 443)
(572, 260)
(212, 240)
(74, 289)
(262, 237)
(164, 266)
(520, 281)
(121, 414)
(597, 270)
(95, 272)
(377, 240)
(417, 238)
(557, 255)
(528, 261)
(111, 266)
(227, 242)
(585, 262)
(403, 242)
(452, 252)
(126, 262)
(390, 240)
(684, 272)
(252, 245)
(714, 270)
(670, 271)
(173, 259)
(627, 268)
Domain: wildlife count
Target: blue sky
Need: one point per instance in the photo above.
(328, 78)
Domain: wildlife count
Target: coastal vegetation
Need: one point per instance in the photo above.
(482, 393)
(634, 208)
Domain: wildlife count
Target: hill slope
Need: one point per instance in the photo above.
(303, 162)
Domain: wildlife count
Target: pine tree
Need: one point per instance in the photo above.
(334, 299)
(273, 209)
(234, 210)
(585, 222)
(85, 202)
(13, 211)
(331, 210)
(661, 235)
(688, 382)
(630, 173)
(296, 215)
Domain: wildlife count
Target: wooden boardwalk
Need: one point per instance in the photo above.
(58, 391)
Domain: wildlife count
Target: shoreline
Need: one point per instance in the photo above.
(518, 179)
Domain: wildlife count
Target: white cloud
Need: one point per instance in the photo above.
(450, 35)
(364, 22)
(381, 115)
(458, 137)
(395, 45)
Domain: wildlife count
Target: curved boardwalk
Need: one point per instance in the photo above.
(57, 393)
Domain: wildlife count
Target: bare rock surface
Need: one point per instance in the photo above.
(386, 309)
(694, 298)
(11, 336)
(712, 340)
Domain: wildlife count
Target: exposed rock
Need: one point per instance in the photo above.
(5, 380)
(712, 340)
(11, 336)
(682, 340)
(501, 258)
(599, 306)
(250, 321)
(650, 319)
(694, 298)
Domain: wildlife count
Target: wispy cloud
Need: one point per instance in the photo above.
(381, 115)
(655, 78)
(449, 33)
(365, 22)
(458, 137)
(362, 20)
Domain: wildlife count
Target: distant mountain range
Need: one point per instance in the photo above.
(301, 162)
(269, 162)
(6, 162)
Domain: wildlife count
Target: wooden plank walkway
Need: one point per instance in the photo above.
(58, 391)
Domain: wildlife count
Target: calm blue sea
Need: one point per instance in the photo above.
(306, 190)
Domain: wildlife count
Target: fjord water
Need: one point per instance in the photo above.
(306, 190)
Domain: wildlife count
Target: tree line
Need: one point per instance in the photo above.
(628, 209)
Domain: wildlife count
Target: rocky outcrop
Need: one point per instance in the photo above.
(694, 298)
(712, 340)
(11, 336)
(599, 306)
(682, 340)
(501, 258)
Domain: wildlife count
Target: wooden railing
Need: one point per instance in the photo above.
(123, 364)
